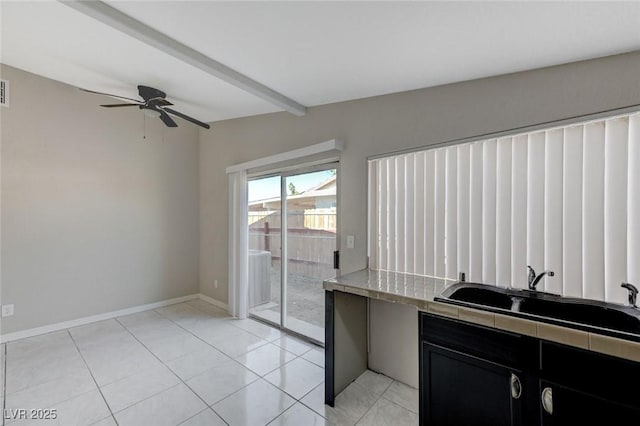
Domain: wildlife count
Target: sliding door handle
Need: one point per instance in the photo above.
(336, 259)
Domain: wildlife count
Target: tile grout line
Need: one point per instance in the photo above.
(368, 409)
(377, 399)
(200, 412)
(398, 405)
(165, 365)
(258, 375)
(284, 333)
(59, 402)
(280, 415)
(179, 378)
(92, 376)
(395, 403)
(210, 407)
(205, 342)
(233, 359)
(244, 353)
(301, 402)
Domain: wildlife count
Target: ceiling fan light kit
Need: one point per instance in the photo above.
(155, 105)
(151, 113)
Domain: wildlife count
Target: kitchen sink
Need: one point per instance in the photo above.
(481, 295)
(540, 305)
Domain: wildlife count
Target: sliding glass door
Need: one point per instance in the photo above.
(292, 239)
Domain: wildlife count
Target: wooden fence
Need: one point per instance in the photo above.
(311, 239)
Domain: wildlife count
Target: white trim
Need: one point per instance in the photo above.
(331, 145)
(144, 33)
(94, 318)
(214, 302)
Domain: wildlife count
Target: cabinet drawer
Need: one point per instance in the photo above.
(498, 346)
(596, 374)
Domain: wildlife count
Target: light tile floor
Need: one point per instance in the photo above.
(187, 364)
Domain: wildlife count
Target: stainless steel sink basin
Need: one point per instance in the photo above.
(540, 305)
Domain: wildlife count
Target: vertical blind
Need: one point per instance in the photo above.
(564, 199)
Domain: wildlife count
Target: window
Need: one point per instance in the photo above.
(565, 199)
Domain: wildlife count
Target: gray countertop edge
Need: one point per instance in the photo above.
(388, 286)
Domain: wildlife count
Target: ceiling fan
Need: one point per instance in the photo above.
(154, 105)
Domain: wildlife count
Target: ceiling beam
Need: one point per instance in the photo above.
(122, 22)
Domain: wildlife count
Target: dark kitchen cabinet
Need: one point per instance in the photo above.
(472, 375)
(459, 385)
(583, 387)
(568, 406)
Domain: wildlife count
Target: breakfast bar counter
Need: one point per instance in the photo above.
(347, 322)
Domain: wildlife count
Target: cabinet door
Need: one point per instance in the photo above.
(565, 406)
(457, 390)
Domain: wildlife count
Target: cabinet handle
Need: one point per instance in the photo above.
(547, 400)
(516, 387)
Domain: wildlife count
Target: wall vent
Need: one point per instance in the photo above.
(4, 93)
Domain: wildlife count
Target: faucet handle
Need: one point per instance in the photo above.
(633, 293)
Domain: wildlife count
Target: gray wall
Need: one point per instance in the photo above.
(394, 122)
(94, 218)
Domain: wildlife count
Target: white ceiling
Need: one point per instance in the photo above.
(312, 52)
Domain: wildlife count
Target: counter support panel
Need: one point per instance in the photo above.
(345, 341)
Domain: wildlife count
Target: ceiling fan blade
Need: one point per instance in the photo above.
(166, 119)
(163, 102)
(186, 117)
(108, 94)
(119, 105)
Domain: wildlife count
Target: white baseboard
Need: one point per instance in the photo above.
(214, 302)
(101, 317)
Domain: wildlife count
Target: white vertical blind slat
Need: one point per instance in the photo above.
(463, 208)
(409, 232)
(391, 214)
(383, 245)
(440, 207)
(475, 219)
(489, 211)
(633, 215)
(553, 160)
(372, 205)
(519, 167)
(400, 207)
(572, 212)
(451, 212)
(593, 212)
(615, 211)
(503, 212)
(420, 212)
(429, 212)
(535, 202)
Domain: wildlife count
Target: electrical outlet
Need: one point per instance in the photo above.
(215, 283)
(351, 241)
(7, 310)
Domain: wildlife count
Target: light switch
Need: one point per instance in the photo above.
(351, 241)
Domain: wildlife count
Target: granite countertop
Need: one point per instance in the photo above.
(420, 291)
(392, 286)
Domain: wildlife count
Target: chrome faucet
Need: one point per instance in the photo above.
(535, 279)
(633, 293)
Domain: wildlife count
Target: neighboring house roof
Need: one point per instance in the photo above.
(307, 199)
